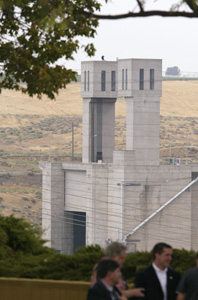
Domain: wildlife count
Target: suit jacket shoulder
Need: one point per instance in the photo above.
(145, 275)
(173, 272)
(99, 292)
(148, 279)
(173, 279)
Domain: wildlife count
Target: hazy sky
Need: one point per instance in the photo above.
(174, 40)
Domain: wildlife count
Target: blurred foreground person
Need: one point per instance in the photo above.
(188, 287)
(108, 273)
(117, 252)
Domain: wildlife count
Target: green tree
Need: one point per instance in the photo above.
(175, 71)
(36, 34)
(18, 236)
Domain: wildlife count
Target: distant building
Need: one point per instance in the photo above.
(120, 195)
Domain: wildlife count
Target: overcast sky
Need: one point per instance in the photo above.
(174, 40)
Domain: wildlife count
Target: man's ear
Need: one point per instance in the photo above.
(109, 274)
(197, 262)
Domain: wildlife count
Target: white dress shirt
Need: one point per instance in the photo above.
(114, 294)
(162, 276)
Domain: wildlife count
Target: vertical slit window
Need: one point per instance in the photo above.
(151, 79)
(85, 80)
(103, 81)
(88, 80)
(122, 79)
(141, 79)
(113, 81)
(126, 78)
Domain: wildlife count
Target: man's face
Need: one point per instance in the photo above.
(163, 260)
(115, 275)
(121, 258)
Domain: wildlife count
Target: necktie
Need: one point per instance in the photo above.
(115, 295)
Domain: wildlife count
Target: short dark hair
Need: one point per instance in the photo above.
(105, 266)
(159, 248)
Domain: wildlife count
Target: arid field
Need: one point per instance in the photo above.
(33, 130)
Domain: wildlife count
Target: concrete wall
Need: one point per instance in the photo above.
(95, 68)
(154, 187)
(53, 203)
(143, 129)
(129, 77)
(35, 289)
(118, 197)
(86, 134)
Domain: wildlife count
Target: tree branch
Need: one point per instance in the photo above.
(143, 13)
(140, 5)
(192, 4)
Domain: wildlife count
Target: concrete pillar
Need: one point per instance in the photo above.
(143, 129)
(53, 204)
(86, 131)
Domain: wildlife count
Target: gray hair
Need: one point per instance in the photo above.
(114, 249)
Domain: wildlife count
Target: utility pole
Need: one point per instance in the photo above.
(49, 155)
(170, 154)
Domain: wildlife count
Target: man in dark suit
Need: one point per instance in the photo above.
(108, 272)
(160, 282)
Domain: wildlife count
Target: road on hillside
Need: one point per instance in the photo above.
(18, 172)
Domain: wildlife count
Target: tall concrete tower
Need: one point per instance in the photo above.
(99, 96)
(139, 82)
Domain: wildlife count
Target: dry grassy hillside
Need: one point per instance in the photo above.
(33, 130)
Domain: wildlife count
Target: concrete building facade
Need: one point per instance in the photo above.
(120, 195)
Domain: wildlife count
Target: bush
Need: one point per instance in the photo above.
(23, 255)
(19, 236)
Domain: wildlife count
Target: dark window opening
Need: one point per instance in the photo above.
(88, 80)
(122, 79)
(85, 80)
(141, 87)
(99, 156)
(113, 81)
(126, 79)
(151, 79)
(103, 81)
(76, 227)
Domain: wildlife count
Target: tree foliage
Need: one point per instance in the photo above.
(23, 255)
(19, 237)
(35, 34)
(37, 38)
(173, 71)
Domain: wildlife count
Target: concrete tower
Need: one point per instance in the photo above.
(99, 96)
(139, 82)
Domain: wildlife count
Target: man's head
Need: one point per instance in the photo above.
(162, 254)
(116, 251)
(108, 270)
